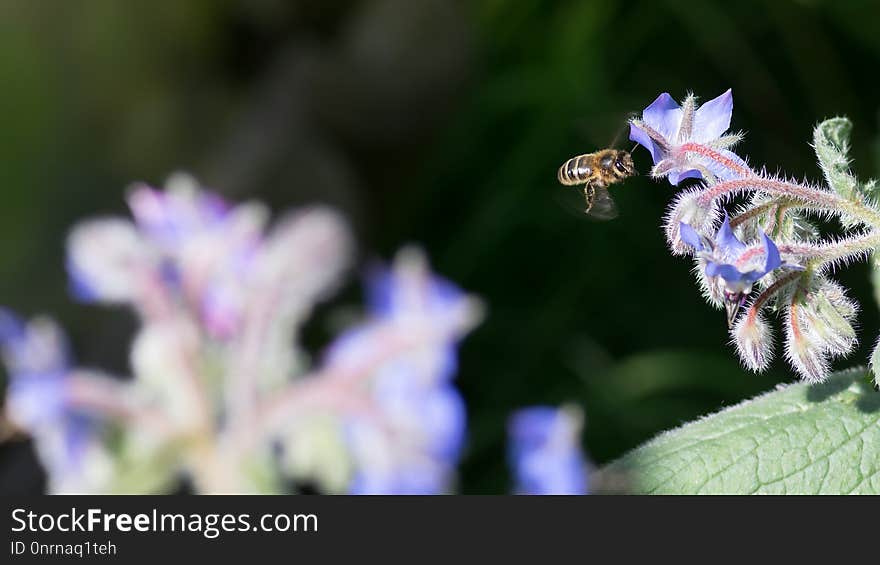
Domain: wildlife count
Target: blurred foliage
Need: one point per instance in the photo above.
(443, 123)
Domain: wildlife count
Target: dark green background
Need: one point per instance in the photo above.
(442, 123)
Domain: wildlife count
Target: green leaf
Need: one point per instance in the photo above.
(831, 141)
(798, 439)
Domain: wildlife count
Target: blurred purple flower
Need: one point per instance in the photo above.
(414, 446)
(689, 142)
(188, 249)
(409, 442)
(186, 245)
(173, 217)
(205, 247)
(37, 362)
(217, 358)
(545, 451)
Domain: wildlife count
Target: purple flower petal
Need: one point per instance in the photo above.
(732, 248)
(677, 175)
(664, 129)
(690, 236)
(641, 137)
(727, 242)
(713, 118)
(177, 213)
(735, 279)
(772, 252)
(711, 269)
(730, 274)
(663, 115)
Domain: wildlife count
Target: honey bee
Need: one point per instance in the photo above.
(596, 171)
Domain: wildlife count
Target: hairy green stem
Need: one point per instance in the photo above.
(801, 196)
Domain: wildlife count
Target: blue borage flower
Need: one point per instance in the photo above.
(545, 451)
(721, 256)
(681, 139)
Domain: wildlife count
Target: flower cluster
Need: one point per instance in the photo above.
(220, 392)
(766, 257)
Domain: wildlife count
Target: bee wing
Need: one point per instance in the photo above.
(585, 202)
(600, 205)
(570, 199)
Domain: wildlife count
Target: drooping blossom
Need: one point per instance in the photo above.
(545, 451)
(727, 266)
(818, 323)
(688, 141)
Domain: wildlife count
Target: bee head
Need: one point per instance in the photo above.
(623, 165)
(617, 163)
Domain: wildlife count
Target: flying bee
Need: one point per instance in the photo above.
(596, 171)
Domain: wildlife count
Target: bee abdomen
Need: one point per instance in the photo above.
(575, 171)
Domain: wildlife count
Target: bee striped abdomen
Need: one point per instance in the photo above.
(575, 171)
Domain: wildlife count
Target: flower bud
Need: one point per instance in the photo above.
(832, 330)
(803, 349)
(809, 361)
(836, 295)
(754, 341)
(686, 208)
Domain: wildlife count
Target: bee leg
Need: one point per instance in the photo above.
(589, 196)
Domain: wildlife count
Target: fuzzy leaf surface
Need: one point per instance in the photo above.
(799, 439)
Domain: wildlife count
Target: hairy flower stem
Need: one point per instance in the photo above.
(847, 249)
(781, 283)
(781, 204)
(770, 291)
(800, 195)
(818, 256)
(717, 157)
